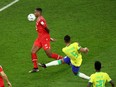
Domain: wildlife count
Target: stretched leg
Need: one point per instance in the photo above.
(56, 62)
(34, 50)
(47, 49)
(77, 73)
(82, 75)
(52, 55)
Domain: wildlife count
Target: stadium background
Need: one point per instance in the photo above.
(90, 22)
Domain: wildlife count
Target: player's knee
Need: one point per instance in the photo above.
(62, 60)
(49, 55)
(75, 73)
(33, 51)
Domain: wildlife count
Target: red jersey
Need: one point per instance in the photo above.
(40, 27)
(1, 79)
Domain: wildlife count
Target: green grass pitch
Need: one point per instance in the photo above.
(90, 22)
(4, 2)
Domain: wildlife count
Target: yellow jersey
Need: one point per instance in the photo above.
(99, 79)
(72, 51)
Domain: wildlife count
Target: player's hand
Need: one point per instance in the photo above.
(52, 39)
(86, 50)
(9, 84)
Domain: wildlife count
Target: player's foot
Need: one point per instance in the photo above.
(42, 65)
(34, 70)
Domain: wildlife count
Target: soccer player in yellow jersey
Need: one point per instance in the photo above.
(73, 57)
(99, 78)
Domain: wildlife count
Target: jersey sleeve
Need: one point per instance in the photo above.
(108, 79)
(78, 46)
(1, 69)
(43, 23)
(91, 79)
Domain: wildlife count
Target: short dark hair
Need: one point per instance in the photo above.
(39, 9)
(67, 38)
(97, 65)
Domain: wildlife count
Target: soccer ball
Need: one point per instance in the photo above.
(31, 17)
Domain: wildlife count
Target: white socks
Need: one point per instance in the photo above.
(58, 62)
(54, 63)
(82, 75)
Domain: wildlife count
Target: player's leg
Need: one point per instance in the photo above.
(35, 48)
(46, 46)
(56, 62)
(52, 55)
(77, 73)
(53, 63)
(82, 75)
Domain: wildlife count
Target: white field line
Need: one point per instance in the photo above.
(5, 7)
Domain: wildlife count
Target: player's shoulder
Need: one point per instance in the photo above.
(63, 49)
(93, 75)
(104, 73)
(42, 18)
(75, 43)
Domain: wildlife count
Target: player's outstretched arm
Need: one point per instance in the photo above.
(111, 82)
(84, 50)
(4, 76)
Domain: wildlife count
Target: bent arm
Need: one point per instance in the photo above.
(4, 76)
(84, 50)
(43, 23)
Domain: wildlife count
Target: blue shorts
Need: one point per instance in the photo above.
(74, 68)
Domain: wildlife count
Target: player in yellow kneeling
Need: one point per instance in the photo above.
(99, 78)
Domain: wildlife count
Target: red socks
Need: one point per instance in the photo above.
(34, 60)
(56, 56)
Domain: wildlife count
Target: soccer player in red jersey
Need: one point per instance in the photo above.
(3, 77)
(43, 40)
